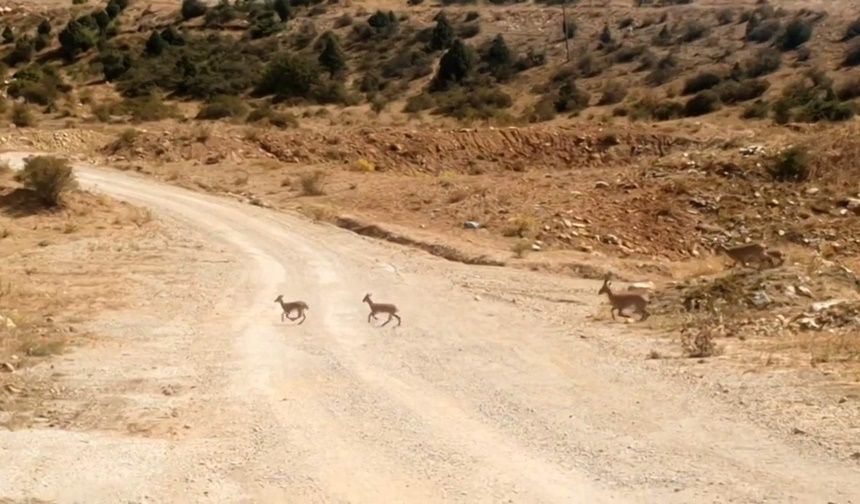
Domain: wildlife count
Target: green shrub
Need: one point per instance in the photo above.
(146, 108)
(443, 34)
(499, 59)
(200, 69)
(44, 27)
(651, 108)
(763, 62)
(221, 14)
(693, 30)
(283, 9)
(852, 54)
(290, 75)
(8, 35)
(852, 31)
(569, 27)
(605, 36)
(221, 107)
(725, 16)
(455, 66)
(663, 37)
(811, 99)
(22, 116)
(343, 21)
(702, 103)
(418, 103)
(114, 63)
(382, 24)
(626, 54)
(571, 98)
(273, 117)
(40, 84)
(756, 110)
(192, 8)
(849, 88)
(613, 92)
(791, 165)
(467, 104)
(155, 44)
(48, 177)
(22, 52)
(740, 91)
(332, 57)
(79, 36)
(701, 82)
(264, 24)
(42, 41)
(763, 31)
(796, 33)
(664, 71)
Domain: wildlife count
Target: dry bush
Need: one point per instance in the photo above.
(48, 177)
(313, 183)
(319, 213)
(613, 92)
(791, 165)
(22, 116)
(521, 248)
(849, 88)
(698, 342)
(522, 226)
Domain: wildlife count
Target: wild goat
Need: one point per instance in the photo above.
(375, 308)
(624, 301)
(296, 306)
(753, 253)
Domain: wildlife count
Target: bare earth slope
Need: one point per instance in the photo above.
(471, 400)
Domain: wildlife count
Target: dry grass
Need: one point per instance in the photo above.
(319, 213)
(521, 248)
(522, 226)
(698, 342)
(313, 183)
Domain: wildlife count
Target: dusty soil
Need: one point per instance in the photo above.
(503, 390)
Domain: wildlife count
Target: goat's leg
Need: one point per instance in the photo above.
(303, 316)
(645, 315)
(387, 320)
(397, 317)
(612, 312)
(371, 316)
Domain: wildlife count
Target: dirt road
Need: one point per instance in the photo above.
(471, 400)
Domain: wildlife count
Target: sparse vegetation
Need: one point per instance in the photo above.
(22, 116)
(192, 9)
(701, 82)
(763, 62)
(693, 30)
(665, 70)
(702, 103)
(852, 54)
(796, 33)
(698, 342)
(313, 183)
(613, 92)
(221, 107)
(48, 177)
(791, 165)
(852, 31)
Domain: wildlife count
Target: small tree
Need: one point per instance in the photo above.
(284, 9)
(76, 38)
(48, 177)
(382, 23)
(499, 59)
(44, 27)
(102, 20)
(113, 9)
(8, 35)
(290, 76)
(443, 34)
(606, 35)
(796, 34)
(571, 98)
(172, 36)
(192, 9)
(22, 52)
(155, 44)
(332, 57)
(114, 64)
(455, 66)
(22, 116)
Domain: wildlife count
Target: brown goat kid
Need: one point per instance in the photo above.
(624, 301)
(753, 253)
